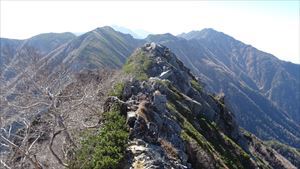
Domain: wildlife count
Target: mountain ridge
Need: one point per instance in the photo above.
(259, 89)
(160, 71)
(203, 56)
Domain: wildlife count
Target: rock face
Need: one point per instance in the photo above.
(175, 124)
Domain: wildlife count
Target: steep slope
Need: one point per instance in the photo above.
(290, 153)
(102, 47)
(16, 55)
(8, 48)
(225, 66)
(47, 42)
(43, 43)
(275, 79)
(174, 123)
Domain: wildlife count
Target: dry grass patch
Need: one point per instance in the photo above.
(169, 149)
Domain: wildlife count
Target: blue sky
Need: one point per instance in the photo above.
(271, 26)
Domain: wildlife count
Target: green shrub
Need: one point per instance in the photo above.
(106, 148)
(138, 65)
(196, 85)
(117, 90)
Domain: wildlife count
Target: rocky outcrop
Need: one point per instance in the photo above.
(175, 124)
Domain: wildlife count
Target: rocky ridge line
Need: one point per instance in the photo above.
(174, 123)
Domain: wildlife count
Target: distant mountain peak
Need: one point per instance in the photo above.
(136, 33)
(159, 37)
(211, 30)
(104, 28)
(126, 31)
(54, 34)
(204, 34)
(108, 31)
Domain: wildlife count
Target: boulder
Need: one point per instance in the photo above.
(152, 133)
(112, 103)
(139, 128)
(127, 91)
(159, 101)
(131, 118)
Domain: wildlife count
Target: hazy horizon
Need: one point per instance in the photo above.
(270, 26)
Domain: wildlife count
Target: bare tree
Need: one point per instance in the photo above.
(51, 108)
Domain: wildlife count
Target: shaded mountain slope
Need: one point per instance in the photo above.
(17, 55)
(43, 43)
(243, 73)
(9, 48)
(47, 42)
(277, 80)
(290, 153)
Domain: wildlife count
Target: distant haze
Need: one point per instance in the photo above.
(270, 26)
